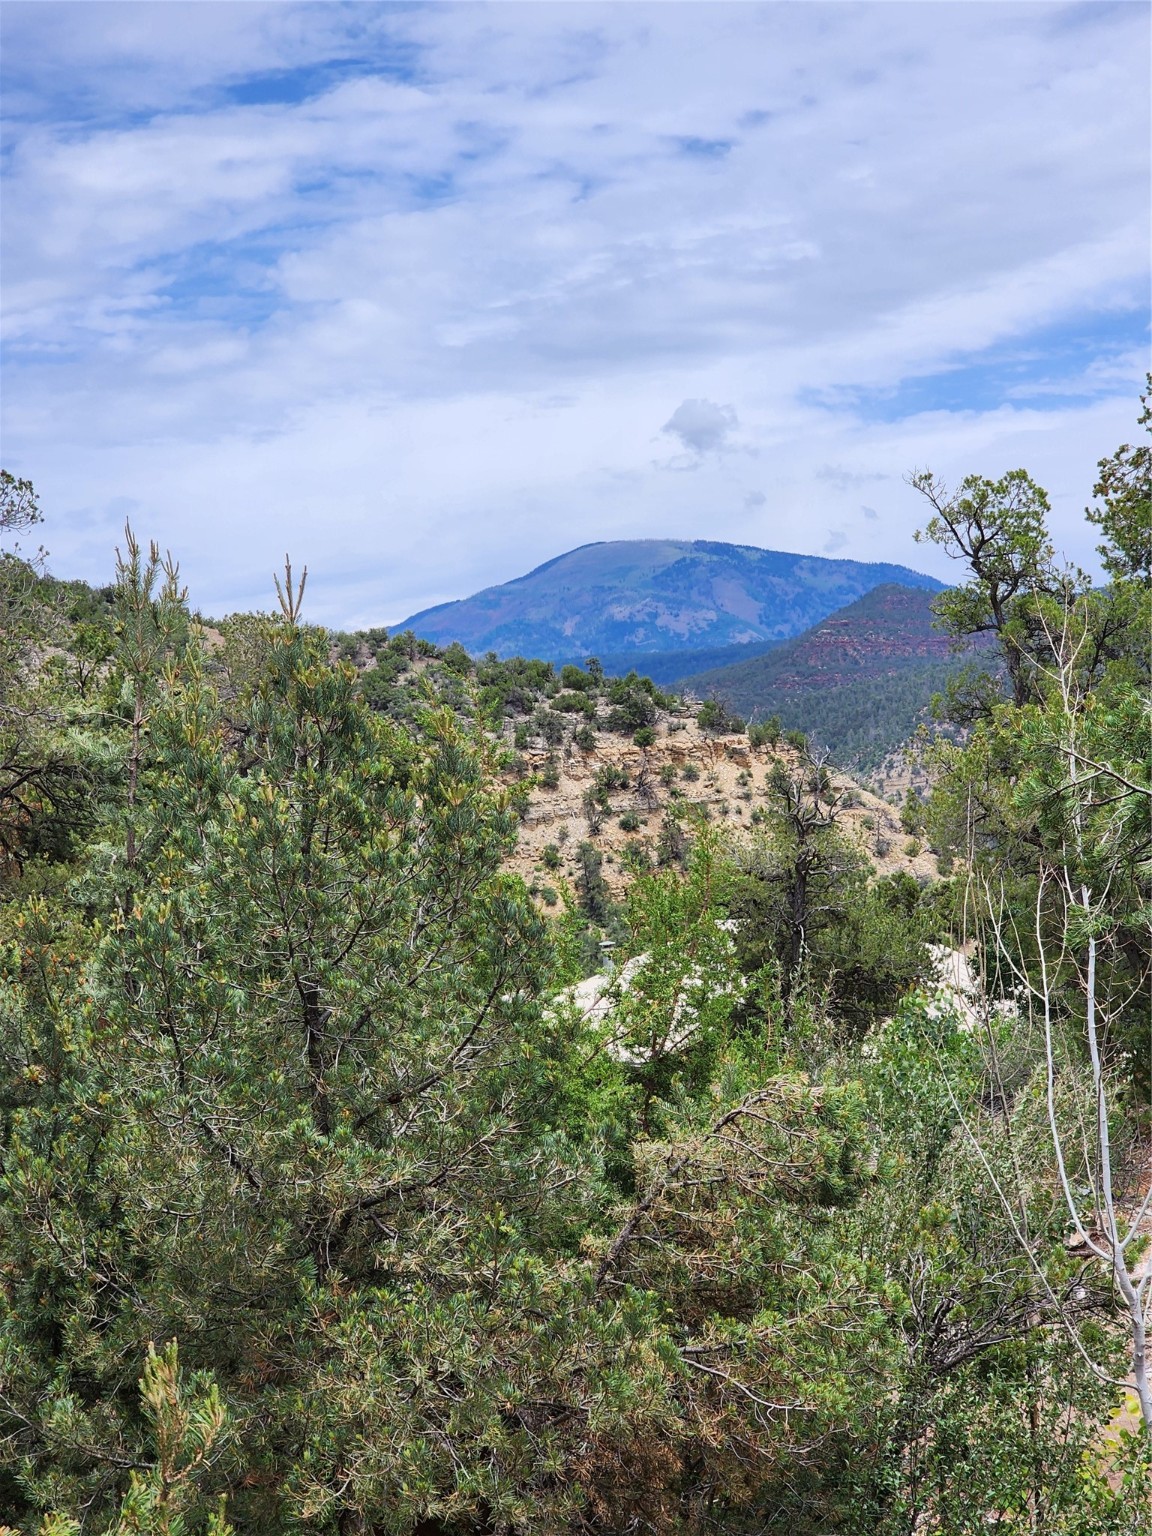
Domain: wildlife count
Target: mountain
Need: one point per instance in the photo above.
(858, 682)
(631, 598)
(665, 667)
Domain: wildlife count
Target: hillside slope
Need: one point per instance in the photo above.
(858, 682)
(725, 778)
(560, 754)
(630, 598)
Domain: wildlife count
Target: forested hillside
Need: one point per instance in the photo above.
(859, 682)
(349, 1185)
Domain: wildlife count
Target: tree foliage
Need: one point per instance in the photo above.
(330, 1202)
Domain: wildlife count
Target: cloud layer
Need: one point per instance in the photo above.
(430, 294)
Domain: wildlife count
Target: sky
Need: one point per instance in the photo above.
(426, 294)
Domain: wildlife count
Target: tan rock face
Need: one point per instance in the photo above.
(726, 778)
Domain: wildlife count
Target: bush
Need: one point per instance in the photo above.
(716, 717)
(550, 857)
(636, 857)
(550, 726)
(591, 887)
(634, 710)
(576, 678)
(608, 778)
(457, 659)
(379, 691)
(630, 822)
(672, 844)
(645, 736)
(912, 813)
(765, 733)
(585, 738)
(593, 812)
(512, 687)
(690, 772)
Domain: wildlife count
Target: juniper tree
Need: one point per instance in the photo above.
(306, 1110)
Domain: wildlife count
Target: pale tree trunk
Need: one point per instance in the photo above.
(1104, 1231)
(1135, 1293)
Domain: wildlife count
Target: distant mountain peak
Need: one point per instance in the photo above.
(636, 597)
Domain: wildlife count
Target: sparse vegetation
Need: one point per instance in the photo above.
(715, 716)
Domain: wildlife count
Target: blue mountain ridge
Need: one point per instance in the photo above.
(630, 599)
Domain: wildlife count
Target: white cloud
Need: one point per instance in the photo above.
(420, 322)
(701, 426)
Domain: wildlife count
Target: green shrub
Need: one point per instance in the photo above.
(766, 733)
(577, 679)
(574, 704)
(912, 813)
(716, 717)
(634, 710)
(645, 736)
(457, 659)
(608, 779)
(591, 887)
(636, 857)
(551, 726)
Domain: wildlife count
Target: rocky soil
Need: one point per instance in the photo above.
(723, 775)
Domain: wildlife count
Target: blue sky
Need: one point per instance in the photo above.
(427, 294)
